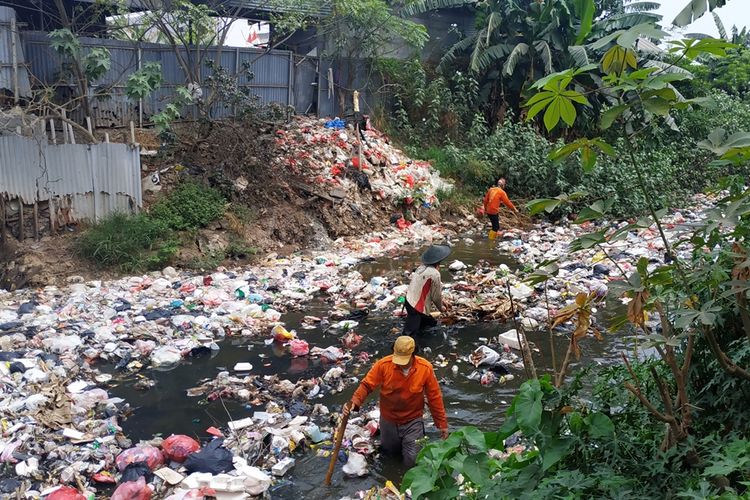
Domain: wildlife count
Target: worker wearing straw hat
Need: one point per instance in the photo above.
(425, 291)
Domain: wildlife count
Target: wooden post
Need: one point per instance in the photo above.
(20, 220)
(132, 132)
(72, 135)
(88, 126)
(66, 139)
(139, 62)
(106, 137)
(52, 129)
(2, 218)
(36, 220)
(52, 225)
(14, 60)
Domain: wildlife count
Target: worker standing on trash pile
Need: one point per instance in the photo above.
(496, 196)
(404, 380)
(425, 291)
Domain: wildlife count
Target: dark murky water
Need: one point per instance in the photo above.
(166, 409)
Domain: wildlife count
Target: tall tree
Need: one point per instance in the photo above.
(353, 31)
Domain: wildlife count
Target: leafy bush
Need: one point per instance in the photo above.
(128, 242)
(592, 443)
(146, 241)
(676, 166)
(189, 206)
(429, 108)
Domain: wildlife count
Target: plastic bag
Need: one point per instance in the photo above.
(351, 340)
(280, 334)
(166, 356)
(299, 347)
(65, 493)
(152, 456)
(132, 490)
(212, 458)
(484, 356)
(135, 471)
(356, 465)
(177, 447)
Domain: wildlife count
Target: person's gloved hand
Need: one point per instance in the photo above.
(444, 433)
(348, 407)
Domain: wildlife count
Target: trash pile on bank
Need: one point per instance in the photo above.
(334, 154)
(592, 269)
(61, 428)
(61, 432)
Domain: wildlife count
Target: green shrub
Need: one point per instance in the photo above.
(128, 242)
(189, 206)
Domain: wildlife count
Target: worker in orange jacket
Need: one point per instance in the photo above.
(496, 196)
(404, 380)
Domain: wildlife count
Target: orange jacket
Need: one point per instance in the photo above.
(492, 200)
(402, 398)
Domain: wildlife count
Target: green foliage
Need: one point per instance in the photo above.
(728, 74)
(144, 81)
(348, 20)
(430, 108)
(128, 243)
(94, 64)
(591, 440)
(147, 241)
(695, 9)
(189, 206)
(65, 43)
(177, 22)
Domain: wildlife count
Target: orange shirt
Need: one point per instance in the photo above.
(492, 200)
(402, 397)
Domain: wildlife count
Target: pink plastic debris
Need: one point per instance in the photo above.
(299, 347)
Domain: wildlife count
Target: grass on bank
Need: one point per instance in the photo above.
(149, 241)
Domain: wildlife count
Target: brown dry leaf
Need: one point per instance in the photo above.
(597, 334)
(740, 272)
(565, 314)
(581, 299)
(636, 311)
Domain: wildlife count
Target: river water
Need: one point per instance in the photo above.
(166, 409)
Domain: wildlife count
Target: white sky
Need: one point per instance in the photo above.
(735, 12)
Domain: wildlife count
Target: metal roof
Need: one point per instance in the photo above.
(308, 7)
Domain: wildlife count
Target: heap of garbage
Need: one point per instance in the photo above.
(340, 155)
(62, 435)
(61, 429)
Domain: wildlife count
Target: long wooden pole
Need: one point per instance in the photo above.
(335, 453)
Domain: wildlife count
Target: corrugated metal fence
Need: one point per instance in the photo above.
(44, 187)
(13, 75)
(273, 78)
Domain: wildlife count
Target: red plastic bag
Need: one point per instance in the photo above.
(132, 490)
(178, 446)
(299, 347)
(351, 340)
(152, 456)
(103, 478)
(402, 223)
(480, 211)
(65, 493)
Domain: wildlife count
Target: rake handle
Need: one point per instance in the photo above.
(337, 446)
